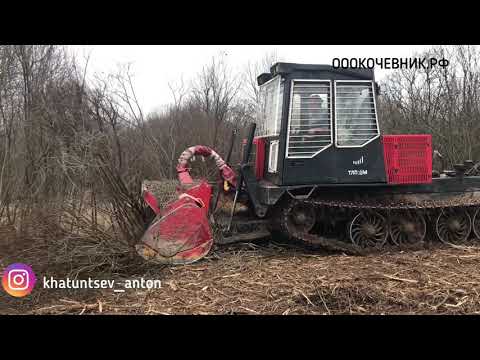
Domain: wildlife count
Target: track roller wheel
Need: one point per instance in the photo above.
(301, 217)
(369, 229)
(407, 227)
(453, 226)
(476, 223)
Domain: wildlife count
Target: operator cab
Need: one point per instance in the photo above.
(317, 124)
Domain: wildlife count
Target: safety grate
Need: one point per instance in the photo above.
(355, 114)
(270, 107)
(310, 118)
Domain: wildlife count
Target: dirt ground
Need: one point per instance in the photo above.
(270, 278)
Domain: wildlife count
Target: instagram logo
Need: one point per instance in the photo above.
(18, 280)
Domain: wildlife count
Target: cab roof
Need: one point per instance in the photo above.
(285, 69)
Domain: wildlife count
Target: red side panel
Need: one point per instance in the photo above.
(258, 153)
(202, 193)
(151, 201)
(408, 158)
(182, 233)
(259, 157)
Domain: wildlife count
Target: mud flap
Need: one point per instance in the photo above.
(181, 234)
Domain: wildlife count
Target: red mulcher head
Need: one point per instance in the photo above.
(181, 233)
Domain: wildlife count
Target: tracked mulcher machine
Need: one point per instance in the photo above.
(316, 169)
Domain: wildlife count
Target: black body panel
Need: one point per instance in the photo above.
(269, 194)
(338, 165)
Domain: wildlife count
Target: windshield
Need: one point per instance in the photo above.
(356, 121)
(310, 118)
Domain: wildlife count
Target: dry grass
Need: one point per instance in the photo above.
(269, 278)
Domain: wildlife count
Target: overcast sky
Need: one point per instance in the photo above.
(154, 66)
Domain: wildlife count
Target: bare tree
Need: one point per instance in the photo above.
(251, 72)
(215, 90)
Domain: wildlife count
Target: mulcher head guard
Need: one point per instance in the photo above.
(181, 233)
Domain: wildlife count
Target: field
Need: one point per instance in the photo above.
(270, 278)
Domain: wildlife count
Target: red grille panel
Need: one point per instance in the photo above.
(408, 158)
